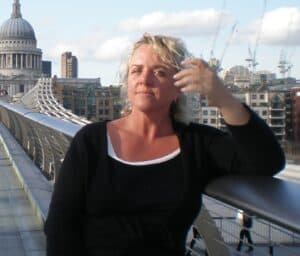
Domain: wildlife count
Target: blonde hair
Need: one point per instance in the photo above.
(172, 52)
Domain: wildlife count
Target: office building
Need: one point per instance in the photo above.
(87, 98)
(69, 65)
(47, 68)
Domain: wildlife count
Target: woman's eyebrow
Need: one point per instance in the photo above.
(164, 66)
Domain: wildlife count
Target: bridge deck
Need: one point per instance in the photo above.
(20, 228)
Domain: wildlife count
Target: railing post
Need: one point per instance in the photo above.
(211, 234)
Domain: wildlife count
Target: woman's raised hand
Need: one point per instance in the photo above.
(197, 76)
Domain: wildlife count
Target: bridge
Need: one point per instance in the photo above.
(32, 146)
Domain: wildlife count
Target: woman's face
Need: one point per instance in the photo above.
(150, 81)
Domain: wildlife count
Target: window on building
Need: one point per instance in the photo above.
(205, 121)
(213, 112)
(261, 96)
(21, 87)
(213, 121)
(253, 96)
(263, 104)
(205, 112)
(195, 104)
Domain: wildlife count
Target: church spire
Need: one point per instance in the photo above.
(16, 13)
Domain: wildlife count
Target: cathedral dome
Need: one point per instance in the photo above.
(16, 28)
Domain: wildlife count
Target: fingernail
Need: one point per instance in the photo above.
(175, 76)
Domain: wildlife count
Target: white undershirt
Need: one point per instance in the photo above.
(111, 152)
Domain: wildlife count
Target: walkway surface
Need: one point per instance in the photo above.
(21, 231)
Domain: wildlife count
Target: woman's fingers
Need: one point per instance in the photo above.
(183, 81)
(182, 73)
(196, 77)
(188, 84)
(188, 79)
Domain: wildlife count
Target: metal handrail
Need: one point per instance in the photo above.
(270, 198)
(56, 124)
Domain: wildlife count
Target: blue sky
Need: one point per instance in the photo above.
(99, 32)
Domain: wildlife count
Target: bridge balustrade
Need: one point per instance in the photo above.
(44, 138)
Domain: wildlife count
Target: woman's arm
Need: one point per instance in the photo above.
(250, 149)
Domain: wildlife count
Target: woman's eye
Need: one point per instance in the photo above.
(134, 71)
(160, 73)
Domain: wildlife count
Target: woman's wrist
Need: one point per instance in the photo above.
(233, 112)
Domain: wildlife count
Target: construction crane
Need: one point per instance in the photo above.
(214, 62)
(285, 65)
(252, 63)
(229, 39)
(217, 31)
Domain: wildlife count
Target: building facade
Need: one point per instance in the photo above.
(87, 98)
(238, 76)
(69, 65)
(46, 68)
(295, 99)
(269, 105)
(20, 59)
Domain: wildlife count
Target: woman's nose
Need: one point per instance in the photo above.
(147, 77)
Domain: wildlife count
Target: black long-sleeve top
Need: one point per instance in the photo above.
(85, 206)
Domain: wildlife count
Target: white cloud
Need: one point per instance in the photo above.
(84, 48)
(279, 27)
(112, 49)
(203, 22)
(93, 46)
(58, 49)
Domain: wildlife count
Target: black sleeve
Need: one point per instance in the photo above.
(250, 149)
(64, 224)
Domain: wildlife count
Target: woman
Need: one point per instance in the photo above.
(133, 186)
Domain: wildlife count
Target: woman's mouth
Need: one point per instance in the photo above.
(145, 92)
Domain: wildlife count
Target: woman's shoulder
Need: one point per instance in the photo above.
(91, 131)
(100, 125)
(193, 127)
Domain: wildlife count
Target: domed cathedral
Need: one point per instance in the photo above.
(20, 59)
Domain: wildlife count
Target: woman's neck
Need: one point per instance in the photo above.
(148, 126)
